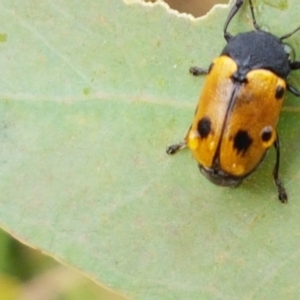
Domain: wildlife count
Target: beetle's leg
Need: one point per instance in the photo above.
(196, 71)
(295, 65)
(282, 196)
(172, 149)
(175, 148)
(293, 90)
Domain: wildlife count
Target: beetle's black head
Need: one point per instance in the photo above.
(258, 50)
(220, 177)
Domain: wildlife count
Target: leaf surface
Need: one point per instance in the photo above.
(91, 93)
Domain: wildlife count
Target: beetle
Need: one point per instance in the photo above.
(235, 120)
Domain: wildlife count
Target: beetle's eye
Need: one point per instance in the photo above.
(289, 51)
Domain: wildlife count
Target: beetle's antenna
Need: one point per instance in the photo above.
(253, 16)
(233, 11)
(289, 34)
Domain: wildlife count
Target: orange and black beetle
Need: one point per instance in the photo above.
(235, 120)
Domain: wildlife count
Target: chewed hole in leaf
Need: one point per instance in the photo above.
(194, 7)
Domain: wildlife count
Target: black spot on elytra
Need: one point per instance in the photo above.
(204, 127)
(279, 92)
(266, 134)
(242, 141)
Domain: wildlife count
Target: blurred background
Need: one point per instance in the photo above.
(27, 274)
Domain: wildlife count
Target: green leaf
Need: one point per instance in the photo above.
(91, 94)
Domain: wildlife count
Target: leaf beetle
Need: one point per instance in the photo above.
(238, 110)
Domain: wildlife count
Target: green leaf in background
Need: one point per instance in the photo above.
(91, 93)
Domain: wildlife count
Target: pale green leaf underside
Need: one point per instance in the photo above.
(91, 94)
